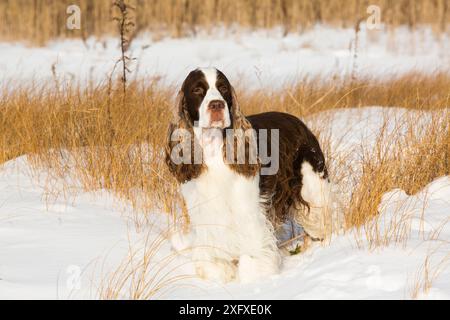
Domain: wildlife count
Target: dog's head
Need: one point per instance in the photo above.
(207, 99)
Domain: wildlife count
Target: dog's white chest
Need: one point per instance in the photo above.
(220, 196)
(224, 207)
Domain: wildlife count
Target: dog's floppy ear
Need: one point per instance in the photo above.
(239, 121)
(181, 145)
(181, 113)
(243, 138)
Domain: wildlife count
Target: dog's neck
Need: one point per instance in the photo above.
(211, 142)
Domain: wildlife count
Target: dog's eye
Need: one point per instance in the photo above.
(198, 91)
(223, 89)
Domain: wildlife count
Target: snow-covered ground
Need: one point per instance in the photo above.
(254, 58)
(70, 248)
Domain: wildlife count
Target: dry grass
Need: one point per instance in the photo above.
(311, 95)
(111, 136)
(105, 142)
(97, 139)
(430, 270)
(75, 133)
(412, 155)
(41, 20)
(144, 274)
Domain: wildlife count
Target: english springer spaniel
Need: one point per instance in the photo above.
(236, 202)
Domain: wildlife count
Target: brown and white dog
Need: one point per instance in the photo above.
(234, 206)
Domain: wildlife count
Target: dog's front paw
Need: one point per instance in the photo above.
(218, 270)
(251, 269)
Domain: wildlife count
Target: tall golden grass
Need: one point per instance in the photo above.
(408, 156)
(111, 136)
(41, 20)
(427, 273)
(106, 142)
(95, 138)
(144, 274)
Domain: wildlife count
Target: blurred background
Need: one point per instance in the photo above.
(87, 93)
(261, 43)
(40, 20)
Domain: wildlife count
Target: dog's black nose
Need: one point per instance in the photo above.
(216, 105)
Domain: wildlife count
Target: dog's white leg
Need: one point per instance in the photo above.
(321, 220)
(210, 267)
(216, 270)
(260, 256)
(252, 267)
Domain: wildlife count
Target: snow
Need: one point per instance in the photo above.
(258, 59)
(71, 243)
(71, 247)
(39, 243)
